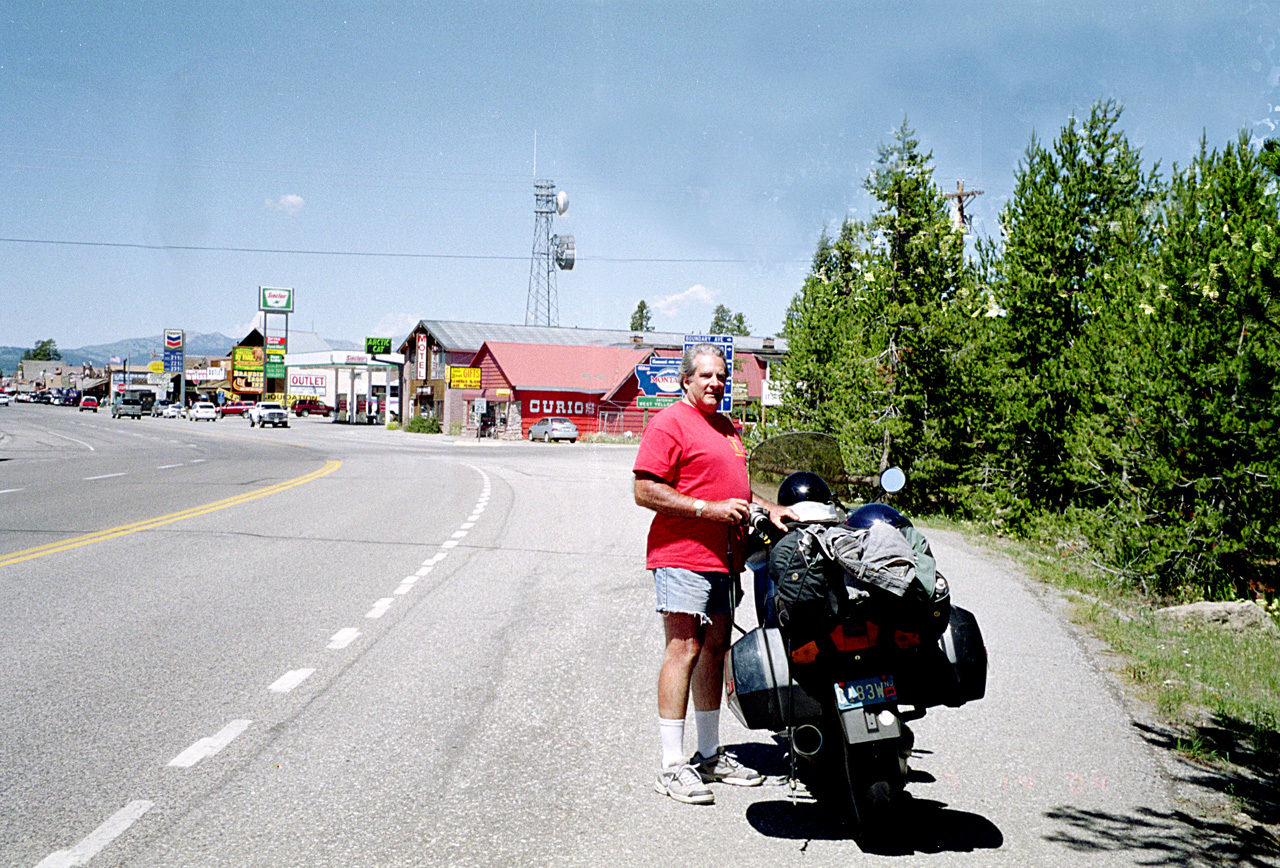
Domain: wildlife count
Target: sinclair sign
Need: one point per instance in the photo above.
(275, 299)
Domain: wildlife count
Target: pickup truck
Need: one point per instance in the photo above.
(307, 406)
(126, 407)
(268, 413)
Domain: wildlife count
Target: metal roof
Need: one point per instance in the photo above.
(470, 336)
(581, 367)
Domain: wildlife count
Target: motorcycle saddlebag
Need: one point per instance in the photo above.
(963, 645)
(758, 683)
(951, 672)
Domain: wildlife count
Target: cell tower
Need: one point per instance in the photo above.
(549, 253)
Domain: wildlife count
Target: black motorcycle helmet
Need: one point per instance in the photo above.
(865, 516)
(803, 485)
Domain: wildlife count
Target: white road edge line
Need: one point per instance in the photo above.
(290, 680)
(73, 440)
(343, 638)
(115, 826)
(207, 747)
(380, 608)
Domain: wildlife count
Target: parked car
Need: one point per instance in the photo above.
(307, 406)
(126, 407)
(88, 402)
(268, 413)
(4, 399)
(173, 411)
(234, 408)
(553, 428)
(203, 410)
(157, 409)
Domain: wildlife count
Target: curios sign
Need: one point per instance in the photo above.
(581, 404)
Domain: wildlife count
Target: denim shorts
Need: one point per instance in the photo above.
(692, 593)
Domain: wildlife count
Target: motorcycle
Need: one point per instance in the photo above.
(857, 634)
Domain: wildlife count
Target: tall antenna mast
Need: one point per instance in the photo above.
(549, 253)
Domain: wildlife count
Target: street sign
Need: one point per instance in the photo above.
(656, 402)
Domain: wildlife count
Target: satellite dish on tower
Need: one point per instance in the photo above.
(566, 251)
(562, 202)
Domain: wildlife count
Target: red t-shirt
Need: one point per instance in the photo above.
(703, 457)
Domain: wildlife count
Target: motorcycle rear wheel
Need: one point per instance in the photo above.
(874, 777)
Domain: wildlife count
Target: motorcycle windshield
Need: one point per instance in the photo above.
(778, 457)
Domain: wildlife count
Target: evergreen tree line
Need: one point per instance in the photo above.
(1106, 367)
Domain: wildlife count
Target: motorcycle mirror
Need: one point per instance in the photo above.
(893, 480)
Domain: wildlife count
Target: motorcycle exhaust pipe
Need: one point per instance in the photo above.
(806, 739)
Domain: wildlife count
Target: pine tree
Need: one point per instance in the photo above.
(875, 337)
(642, 318)
(1198, 499)
(1076, 231)
(725, 322)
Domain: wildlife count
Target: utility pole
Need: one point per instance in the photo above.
(960, 197)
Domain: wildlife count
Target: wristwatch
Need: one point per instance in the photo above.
(698, 507)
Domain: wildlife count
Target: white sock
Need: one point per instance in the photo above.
(708, 723)
(672, 733)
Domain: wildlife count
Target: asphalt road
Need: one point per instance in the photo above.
(329, 645)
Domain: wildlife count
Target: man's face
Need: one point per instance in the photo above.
(704, 388)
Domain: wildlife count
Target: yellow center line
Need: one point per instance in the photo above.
(149, 524)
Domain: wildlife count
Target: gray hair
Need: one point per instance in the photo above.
(686, 363)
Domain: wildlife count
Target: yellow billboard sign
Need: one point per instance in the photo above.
(464, 378)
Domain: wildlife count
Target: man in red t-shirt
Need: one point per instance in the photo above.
(691, 470)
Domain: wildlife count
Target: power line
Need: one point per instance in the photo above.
(368, 253)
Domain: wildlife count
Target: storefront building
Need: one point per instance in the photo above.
(442, 360)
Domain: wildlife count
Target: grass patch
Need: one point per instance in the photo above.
(1220, 688)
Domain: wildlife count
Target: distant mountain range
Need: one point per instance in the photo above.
(138, 350)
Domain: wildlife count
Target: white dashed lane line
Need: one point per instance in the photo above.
(343, 638)
(380, 608)
(290, 680)
(207, 747)
(114, 827)
(204, 748)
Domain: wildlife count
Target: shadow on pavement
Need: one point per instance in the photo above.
(1251, 775)
(921, 825)
(1164, 838)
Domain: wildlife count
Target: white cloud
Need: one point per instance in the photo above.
(240, 330)
(694, 295)
(289, 203)
(395, 325)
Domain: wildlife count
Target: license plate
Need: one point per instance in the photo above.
(865, 691)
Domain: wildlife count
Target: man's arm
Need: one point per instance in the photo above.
(655, 493)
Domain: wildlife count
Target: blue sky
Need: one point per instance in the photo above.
(160, 161)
